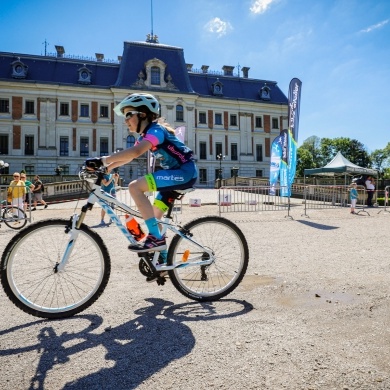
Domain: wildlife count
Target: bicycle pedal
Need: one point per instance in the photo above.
(158, 277)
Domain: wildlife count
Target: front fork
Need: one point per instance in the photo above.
(73, 230)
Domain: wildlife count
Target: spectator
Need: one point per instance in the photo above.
(37, 193)
(16, 192)
(370, 187)
(353, 195)
(29, 189)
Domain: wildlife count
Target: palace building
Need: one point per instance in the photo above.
(56, 110)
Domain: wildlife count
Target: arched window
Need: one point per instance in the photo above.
(179, 113)
(155, 75)
(130, 141)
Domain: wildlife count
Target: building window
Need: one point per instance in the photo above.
(202, 117)
(4, 106)
(259, 152)
(259, 173)
(103, 111)
(64, 146)
(218, 119)
(233, 120)
(29, 107)
(29, 145)
(3, 144)
(30, 169)
(84, 110)
(179, 113)
(203, 176)
(130, 141)
(64, 109)
(104, 146)
(259, 121)
(84, 146)
(218, 149)
(155, 75)
(275, 124)
(202, 151)
(233, 152)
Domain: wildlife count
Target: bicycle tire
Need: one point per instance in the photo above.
(28, 272)
(224, 274)
(11, 217)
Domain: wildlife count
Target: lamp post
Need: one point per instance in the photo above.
(220, 158)
(2, 166)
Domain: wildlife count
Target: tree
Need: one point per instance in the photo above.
(381, 160)
(304, 161)
(353, 150)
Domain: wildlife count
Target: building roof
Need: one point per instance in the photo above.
(65, 70)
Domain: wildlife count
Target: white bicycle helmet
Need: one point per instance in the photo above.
(137, 100)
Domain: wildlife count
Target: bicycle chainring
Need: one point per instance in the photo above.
(144, 268)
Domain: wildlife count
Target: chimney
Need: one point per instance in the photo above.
(60, 51)
(189, 67)
(227, 70)
(245, 71)
(119, 59)
(99, 57)
(205, 68)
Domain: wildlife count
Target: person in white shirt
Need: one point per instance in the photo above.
(370, 187)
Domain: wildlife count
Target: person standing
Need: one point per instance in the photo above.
(37, 193)
(370, 188)
(16, 192)
(353, 194)
(29, 189)
(109, 183)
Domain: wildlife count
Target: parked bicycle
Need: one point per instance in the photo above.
(207, 258)
(14, 217)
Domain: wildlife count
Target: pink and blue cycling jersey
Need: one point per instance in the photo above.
(176, 159)
(167, 147)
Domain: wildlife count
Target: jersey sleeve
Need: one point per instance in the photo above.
(155, 136)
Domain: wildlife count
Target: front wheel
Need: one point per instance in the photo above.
(30, 276)
(229, 258)
(14, 217)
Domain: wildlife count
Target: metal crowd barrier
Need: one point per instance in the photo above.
(258, 198)
(329, 197)
(386, 202)
(243, 199)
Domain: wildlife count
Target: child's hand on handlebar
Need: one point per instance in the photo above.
(93, 163)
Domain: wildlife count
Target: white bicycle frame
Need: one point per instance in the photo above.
(104, 200)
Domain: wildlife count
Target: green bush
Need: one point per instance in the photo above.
(380, 201)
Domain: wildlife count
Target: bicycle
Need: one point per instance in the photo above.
(207, 258)
(14, 217)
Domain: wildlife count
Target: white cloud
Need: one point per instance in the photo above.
(375, 26)
(219, 27)
(260, 6)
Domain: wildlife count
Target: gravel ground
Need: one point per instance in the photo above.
(312, 312)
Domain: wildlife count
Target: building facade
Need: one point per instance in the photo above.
(57, 110)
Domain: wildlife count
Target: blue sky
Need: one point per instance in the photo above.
(340, 49)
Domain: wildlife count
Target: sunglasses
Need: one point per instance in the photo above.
(130, 114)
(22, 177)
(16, 175)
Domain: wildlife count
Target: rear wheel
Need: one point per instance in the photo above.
(229, 259)
(14, 217)
(29, 272)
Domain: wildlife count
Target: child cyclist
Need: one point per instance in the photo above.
(141, 111)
